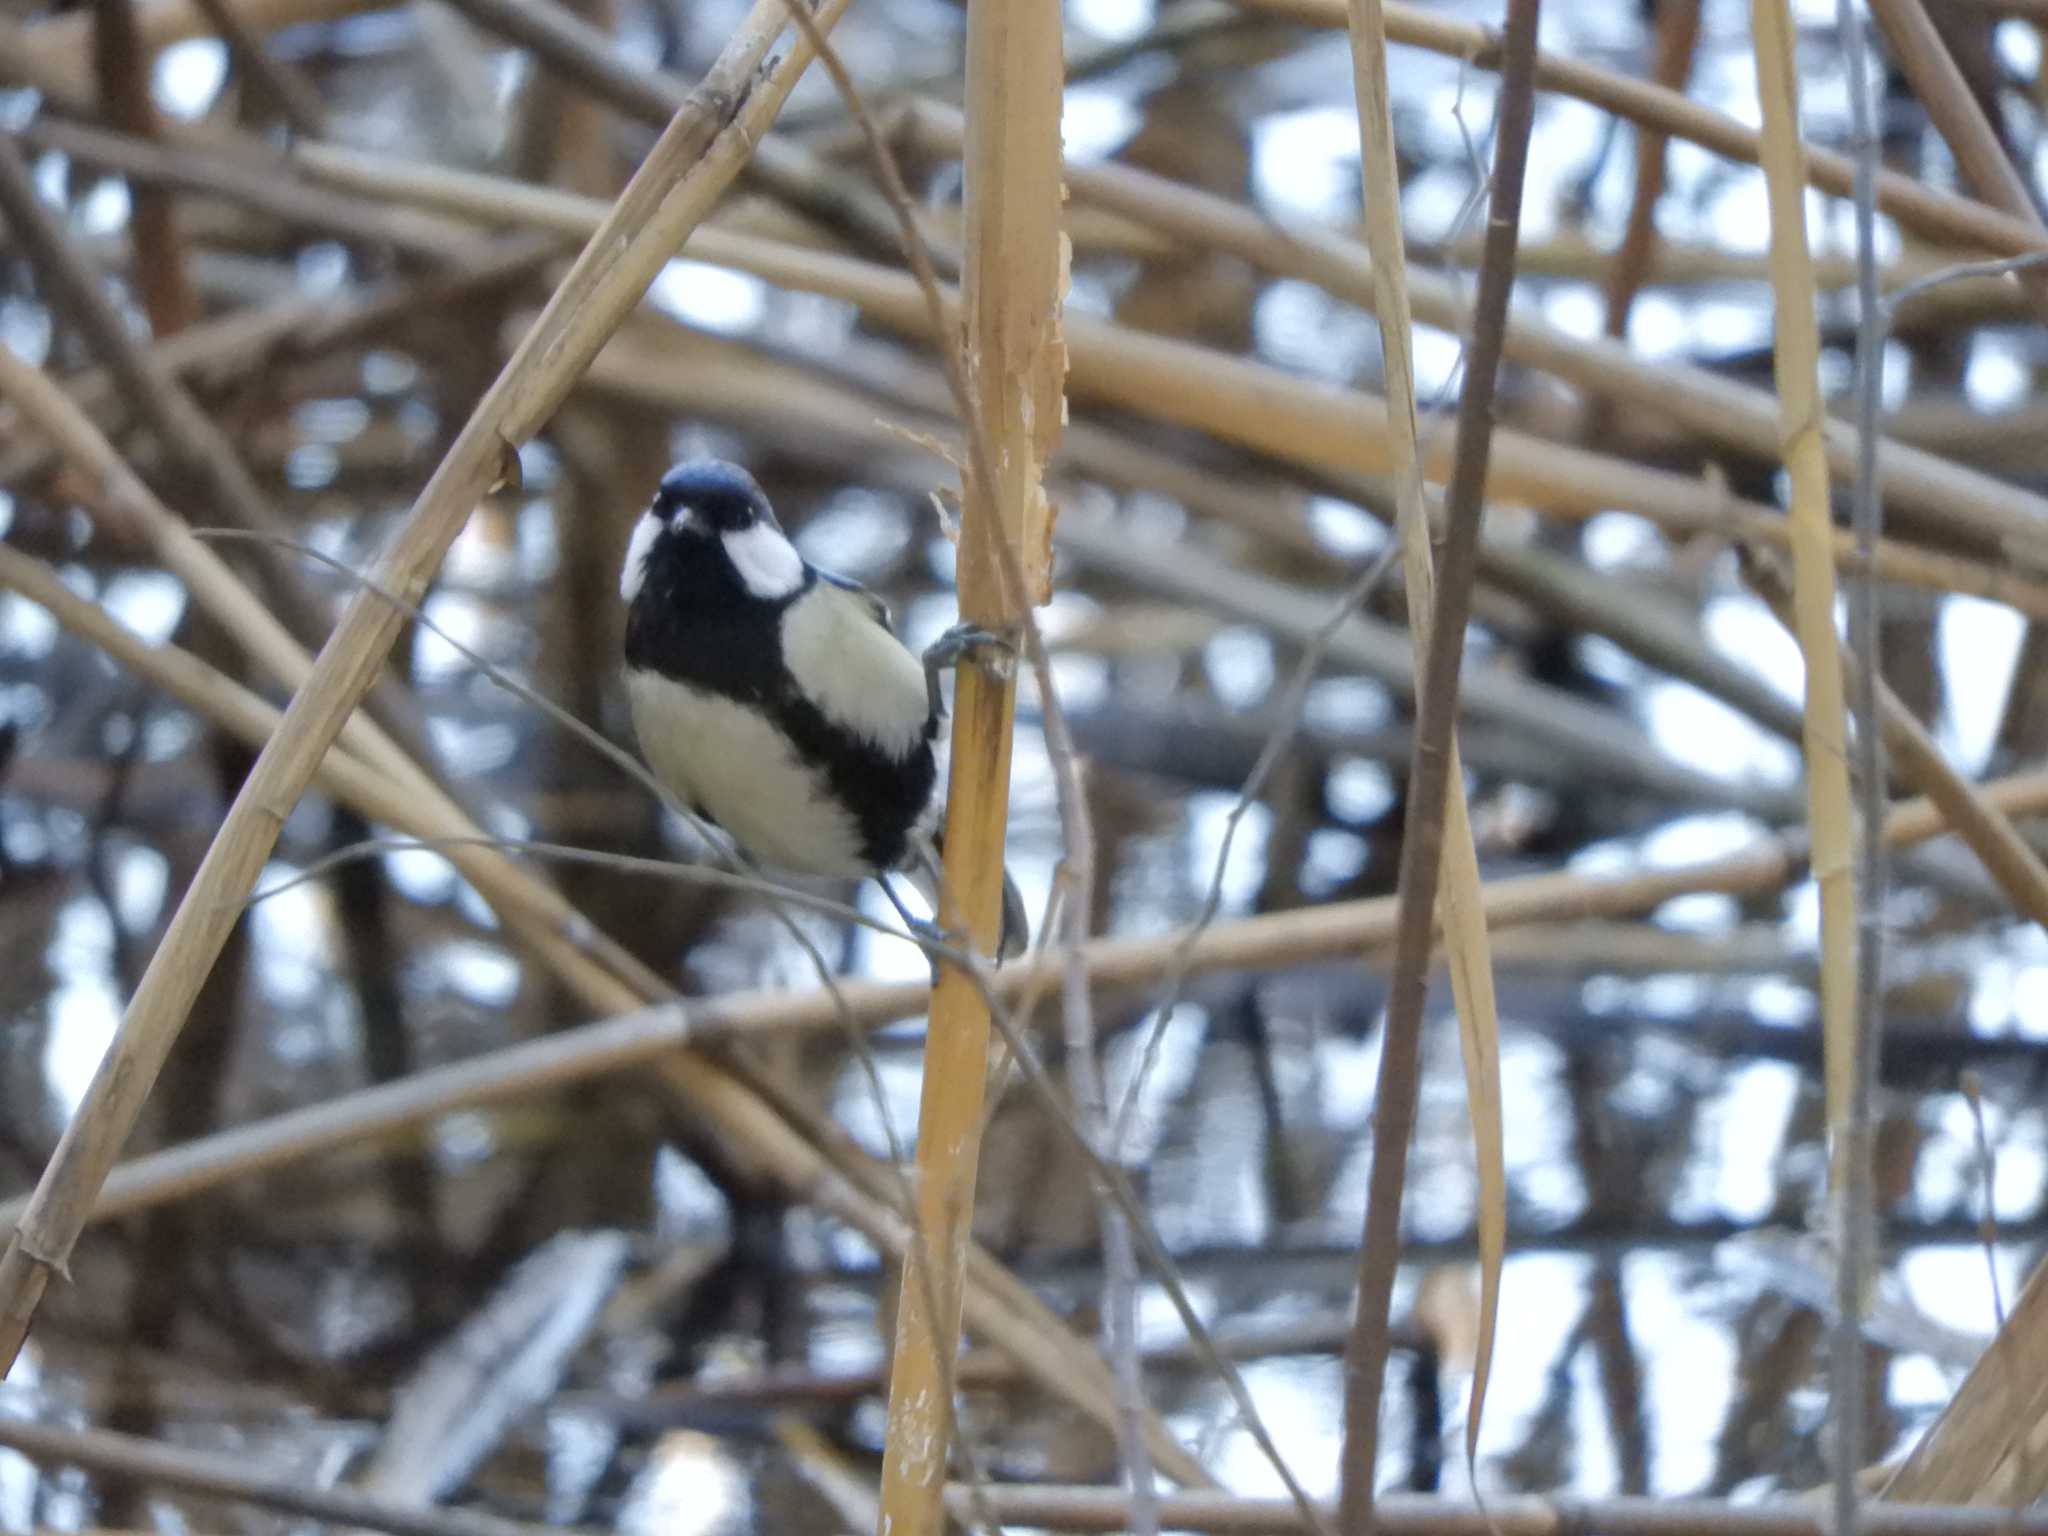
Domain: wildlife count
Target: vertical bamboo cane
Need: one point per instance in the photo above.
(1016, 368)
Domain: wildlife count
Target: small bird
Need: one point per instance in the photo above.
(775, 700)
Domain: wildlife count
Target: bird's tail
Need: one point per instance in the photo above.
(924, 873)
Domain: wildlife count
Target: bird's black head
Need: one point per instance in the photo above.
(710, 527)
(711, 497)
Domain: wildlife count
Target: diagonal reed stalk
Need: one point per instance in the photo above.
(692, 162)
(1306, 421)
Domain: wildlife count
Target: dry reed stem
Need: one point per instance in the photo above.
(1318, 425)
(1987, 1447)
(640, 1034)
(1717, 409)
(185, 432)
(58, 49)
(694, 160)
(1676, 30)
(1000, 1309)
(121, 72)
(51, 55)
(1937, 216)
(2006, 856)
(1460, 905)
(1922, 55)
(1811, 523)
(1091, 1509)
(290, 92)
(163, 1466)
(286, 331)
(251, 180)
(1014, 369)
(1423, 832)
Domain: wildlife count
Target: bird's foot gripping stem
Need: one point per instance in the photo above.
(950, 649)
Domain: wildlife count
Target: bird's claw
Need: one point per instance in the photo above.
(949, 650)
(933, 937)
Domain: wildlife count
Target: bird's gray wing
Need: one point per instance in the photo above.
(873, 603)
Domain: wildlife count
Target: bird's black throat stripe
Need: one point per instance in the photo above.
(693, 623)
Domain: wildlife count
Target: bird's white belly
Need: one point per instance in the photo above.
(735, 767)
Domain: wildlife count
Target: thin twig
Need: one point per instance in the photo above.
(129, 1456)
(1422, 843)
(1858, 1216)
(1460, 903)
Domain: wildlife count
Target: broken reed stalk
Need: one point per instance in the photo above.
(693, 161)
(1461, 905)
(1422, 839)
(1984, 1449)
(1015, 372)
(1811, 525)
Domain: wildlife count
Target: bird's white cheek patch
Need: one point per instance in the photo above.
(634, 571)
(768, 564)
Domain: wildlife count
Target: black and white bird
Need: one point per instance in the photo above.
(774, 699)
